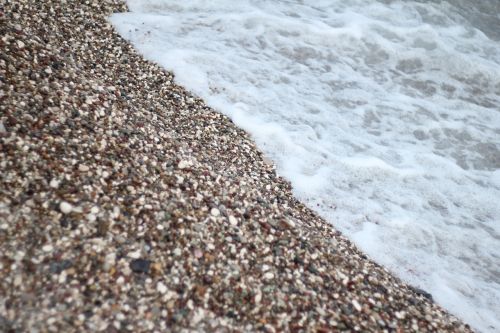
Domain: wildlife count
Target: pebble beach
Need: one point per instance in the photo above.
(129, 205)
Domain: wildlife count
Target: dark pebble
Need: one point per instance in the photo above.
(57, 267)
(298, 261)
(312, 270)
(140, 265)
(422, 292)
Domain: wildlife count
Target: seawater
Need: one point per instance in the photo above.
(384, 115)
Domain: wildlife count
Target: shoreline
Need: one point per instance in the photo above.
(128, 204)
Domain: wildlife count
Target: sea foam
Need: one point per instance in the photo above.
(384, 115)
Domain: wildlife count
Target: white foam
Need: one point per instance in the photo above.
(385, 116)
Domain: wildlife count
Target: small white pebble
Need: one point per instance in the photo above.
(126, 271)
(198, 316)
(47, 248)
(19, 255)
(18, 280)
(258, 297)
(356, 305)
(183, 164)
(83, 168)
(233, 221)
(198, 253)
(20, 44)
(62, 277)
(110, 258)
(134, 254)
(161, 288)
(65, 207)
(116, 212)
(214, 212)
(268, 276)
(54, 183)
(177, 252)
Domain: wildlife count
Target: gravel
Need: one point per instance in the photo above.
(128, 205)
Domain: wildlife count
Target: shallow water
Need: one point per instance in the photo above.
(385, 116)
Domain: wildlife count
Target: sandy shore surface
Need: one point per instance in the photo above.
(128, 205)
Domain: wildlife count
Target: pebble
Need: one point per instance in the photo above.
(258, 297)
(214, 212)
(140, 265)
(162, 289)
(183, 164)
(47, 248)
(290, 223)
(54, 183)
(198, 253)
(233, 221)
(18, 280)
(356, 305)
(83, 168)
(135, 254)
(65, 207)
(110, 260)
